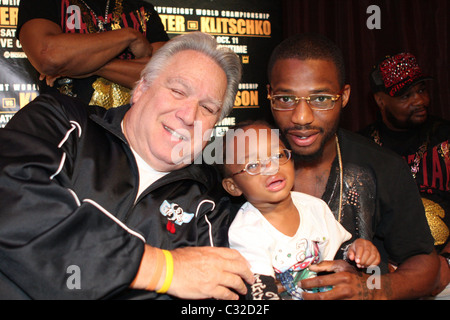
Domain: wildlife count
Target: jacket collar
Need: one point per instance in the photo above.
(111, 120)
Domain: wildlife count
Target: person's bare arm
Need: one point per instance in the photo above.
(54, 53)
(444, 273)
(126, 72)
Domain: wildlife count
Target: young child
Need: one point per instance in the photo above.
(281, 233)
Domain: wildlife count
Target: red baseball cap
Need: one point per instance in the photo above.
(394, 75)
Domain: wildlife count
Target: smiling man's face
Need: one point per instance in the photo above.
(183, 102)
(307, 130)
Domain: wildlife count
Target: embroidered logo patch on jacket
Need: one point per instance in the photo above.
(175, 214)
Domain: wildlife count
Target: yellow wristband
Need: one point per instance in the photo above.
(169, 272)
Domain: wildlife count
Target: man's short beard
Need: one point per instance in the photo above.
(308, 158)
(407, 125)
(311, 158)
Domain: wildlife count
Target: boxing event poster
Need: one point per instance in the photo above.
(250, 28)
(17, 85)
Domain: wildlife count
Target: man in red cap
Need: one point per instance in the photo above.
(405, 126)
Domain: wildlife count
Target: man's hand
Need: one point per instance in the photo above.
(50, 80)
(140, 47)
(347, 283)
(199, 273)
(206, 272)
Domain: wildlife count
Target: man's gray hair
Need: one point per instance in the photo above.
(206, 44)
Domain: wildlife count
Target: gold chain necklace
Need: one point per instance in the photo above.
(341, 178)
(101, 24)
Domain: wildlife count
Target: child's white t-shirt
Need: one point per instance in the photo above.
(266, 248)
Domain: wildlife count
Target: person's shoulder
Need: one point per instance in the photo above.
(247, 217)
(438, 126)
(204, 172)
(296, 195)
(305, 200)
(50, 117)
(73, 107)
(363, 147)
(207, 177)
(53, 106)
(369, 129)
(361, 152)
(346, 136)
(439, 120)
(311, 208)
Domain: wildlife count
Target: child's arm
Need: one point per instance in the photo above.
(363, 253)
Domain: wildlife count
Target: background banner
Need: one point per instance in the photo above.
(17, 85)
(250, 28)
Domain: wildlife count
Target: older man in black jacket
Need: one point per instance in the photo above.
(104, 204)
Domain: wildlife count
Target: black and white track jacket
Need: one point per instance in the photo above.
(69, 224)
